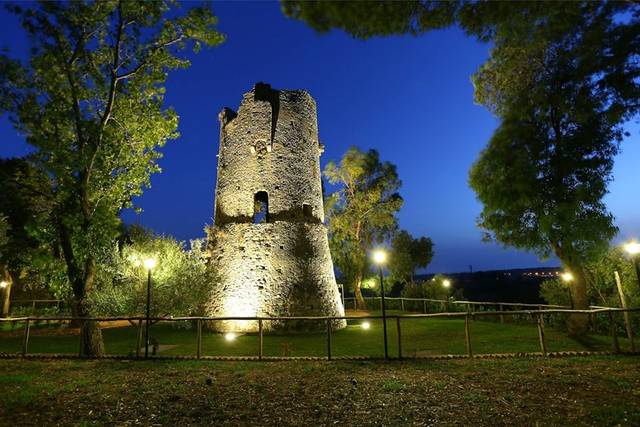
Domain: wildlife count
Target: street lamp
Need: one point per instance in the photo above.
(149, 264)
(380, 257)
(567, 277)
(633, 249)
(446, 283)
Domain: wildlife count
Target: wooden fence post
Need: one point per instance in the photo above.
(467, 335)
(500, 308)
(328, 339)
(625, 314)
(401, 304)
(25, 339)
(543, 345)
(139, 341)
(424, 306)
(199, 338)
(614, 333)
(260, 340)
(399, 338)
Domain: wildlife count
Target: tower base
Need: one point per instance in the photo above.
(278, 269)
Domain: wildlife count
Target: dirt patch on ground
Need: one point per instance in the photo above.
(572, 391)
(54, 329)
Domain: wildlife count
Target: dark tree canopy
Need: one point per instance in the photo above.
(26, 207)
(409, 254)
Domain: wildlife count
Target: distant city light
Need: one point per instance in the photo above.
(230, 336)
(567, 277)
(632, 248)
(379, 256)
(446, 283)
(365, 325)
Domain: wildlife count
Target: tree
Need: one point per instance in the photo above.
(545, 172)
(90, 101)
(181, 280)
(29, 241)
(361, 212)
(4, 229)
(408, 255)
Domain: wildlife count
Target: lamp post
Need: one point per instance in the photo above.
(633, 249)
(380, 257)
(149, 264)
(568, 278)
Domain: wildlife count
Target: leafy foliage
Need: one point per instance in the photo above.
(32, 253)
(90, 101)
(602, 288)
(180, 281)
(4, 229)
(408, 255)
(367, 19)
(361, 212)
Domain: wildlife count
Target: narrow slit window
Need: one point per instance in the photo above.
(260, 207)
(307, 210)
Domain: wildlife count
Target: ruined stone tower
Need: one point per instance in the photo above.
(269, 243)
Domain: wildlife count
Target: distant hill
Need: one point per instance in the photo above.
(514, 285)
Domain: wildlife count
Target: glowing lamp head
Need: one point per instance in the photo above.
(149, 263)
(446, 283)
(566, 277)
(632, 248)
(379, 256)
(3, 284)
(230, 336)
(365, 325)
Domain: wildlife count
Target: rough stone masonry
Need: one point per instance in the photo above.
(269, 243)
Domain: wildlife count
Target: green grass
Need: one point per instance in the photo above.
(576, 391)
(420, 337)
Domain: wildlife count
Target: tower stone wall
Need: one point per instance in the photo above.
(269, 243)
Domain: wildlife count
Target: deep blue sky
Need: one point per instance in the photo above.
(410, 98)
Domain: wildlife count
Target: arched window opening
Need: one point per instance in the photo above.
(260, 207)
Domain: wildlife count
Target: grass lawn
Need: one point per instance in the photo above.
(578, 391)
(420, 337)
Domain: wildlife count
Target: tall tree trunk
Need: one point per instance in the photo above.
(90, 333)
(5, 276)
(357, 290)
(578, 323)
(81, 282)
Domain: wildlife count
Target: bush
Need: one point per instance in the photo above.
(180, 281)
(601, 287)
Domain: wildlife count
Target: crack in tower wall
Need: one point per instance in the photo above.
(269, 158)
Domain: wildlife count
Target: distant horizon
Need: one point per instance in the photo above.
(410, 98)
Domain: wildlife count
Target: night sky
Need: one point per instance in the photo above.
(410, 98)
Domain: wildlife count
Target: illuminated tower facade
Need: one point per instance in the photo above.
(269, 243)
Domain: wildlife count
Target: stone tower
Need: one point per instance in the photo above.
(269, 243)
